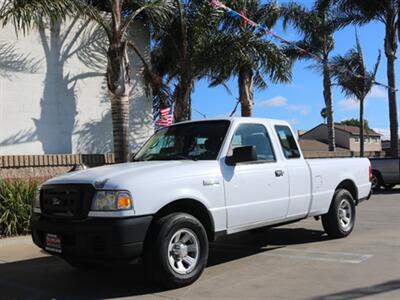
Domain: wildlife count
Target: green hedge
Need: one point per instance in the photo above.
(15, 206)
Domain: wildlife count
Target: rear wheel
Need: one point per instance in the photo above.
(339, 221)
(176, 250)
(376, 181)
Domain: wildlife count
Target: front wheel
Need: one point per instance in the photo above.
(339, 221)
(176, 250)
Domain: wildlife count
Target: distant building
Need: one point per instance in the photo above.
(386, 148)
(347, 139)
(53, 93)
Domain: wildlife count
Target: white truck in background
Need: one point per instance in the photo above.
(190, 183)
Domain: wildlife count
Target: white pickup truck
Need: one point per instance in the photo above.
(189, 184)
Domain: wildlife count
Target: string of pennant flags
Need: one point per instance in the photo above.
(165, 114)
(216, 4)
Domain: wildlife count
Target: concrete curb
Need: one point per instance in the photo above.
(25, 239)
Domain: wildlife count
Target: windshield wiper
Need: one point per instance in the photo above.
(171, 157)
(185, 157)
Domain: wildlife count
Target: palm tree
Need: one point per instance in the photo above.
(388, 13)
(180, 51)
(116, 18)
(119, 16)
(243, 51)
(355, 80)
(317, 27)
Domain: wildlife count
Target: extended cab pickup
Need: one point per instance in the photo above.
(190, 183)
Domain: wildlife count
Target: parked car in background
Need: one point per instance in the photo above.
(385, 173)
(189, 184)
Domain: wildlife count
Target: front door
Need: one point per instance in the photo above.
(258, 191)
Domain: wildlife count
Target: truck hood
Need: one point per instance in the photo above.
(122, 175)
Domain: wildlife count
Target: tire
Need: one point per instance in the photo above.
(340, 219)
(376, 181)
(176, 250)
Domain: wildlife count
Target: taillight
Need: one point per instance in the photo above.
(370, 173)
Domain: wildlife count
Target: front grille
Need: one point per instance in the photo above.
(66, 201)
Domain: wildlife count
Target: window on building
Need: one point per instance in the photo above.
(357, 139)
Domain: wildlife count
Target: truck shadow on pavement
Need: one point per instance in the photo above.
(358, 293)
(50, 277)
(387, 192)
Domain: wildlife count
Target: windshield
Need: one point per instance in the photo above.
(194, 141)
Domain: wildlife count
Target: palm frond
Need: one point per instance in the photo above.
(26, 14)
(351, 74)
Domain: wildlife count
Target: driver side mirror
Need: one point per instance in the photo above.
(242, 154)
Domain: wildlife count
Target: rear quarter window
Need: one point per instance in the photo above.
(287, 141)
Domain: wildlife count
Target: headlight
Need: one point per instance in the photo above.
(36, 202)
(111, 201)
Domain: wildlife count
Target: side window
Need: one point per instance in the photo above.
(254, 135)
(288, 142)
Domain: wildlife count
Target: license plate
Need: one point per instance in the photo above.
(53, 243)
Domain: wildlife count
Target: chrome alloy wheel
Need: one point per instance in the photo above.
(345, 214)
(183, 251)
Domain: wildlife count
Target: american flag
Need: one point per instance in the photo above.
(165, 118)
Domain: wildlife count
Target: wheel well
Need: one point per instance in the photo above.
(191, 207)
(378, 174)
(350, 186)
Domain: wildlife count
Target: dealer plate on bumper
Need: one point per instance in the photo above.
(53, 243)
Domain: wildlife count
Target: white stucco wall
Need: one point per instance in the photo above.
(53, 94)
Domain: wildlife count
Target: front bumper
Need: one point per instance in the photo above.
(94, 239)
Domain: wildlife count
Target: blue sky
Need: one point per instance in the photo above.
(301, 101)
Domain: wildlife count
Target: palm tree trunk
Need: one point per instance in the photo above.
(119, 85)
(120, 122)
(246, 91)
(183, 91)
(390, 52)
(329, 108)
(361, 127)
(182, 97)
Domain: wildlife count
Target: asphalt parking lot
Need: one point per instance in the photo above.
(296, 261)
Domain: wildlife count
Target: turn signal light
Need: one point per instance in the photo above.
(124, 201)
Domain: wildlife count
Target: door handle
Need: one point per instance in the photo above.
(279, 173)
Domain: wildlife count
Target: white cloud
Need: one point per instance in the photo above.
(277, 101)
(377, 92)
(385, 133)
(280, 101)
(348, 104)
(301, 109)
(293, 122)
